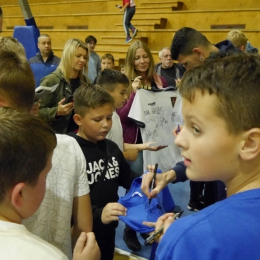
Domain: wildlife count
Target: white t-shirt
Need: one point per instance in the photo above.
(16, 242)
(66, 180)
(160, 111)
(116, 132)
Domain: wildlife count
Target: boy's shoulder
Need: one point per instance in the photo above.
(213, 225)
(26, 242)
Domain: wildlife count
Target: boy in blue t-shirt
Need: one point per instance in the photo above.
(220, 141)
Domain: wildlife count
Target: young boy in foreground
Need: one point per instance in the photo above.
(220, 141)
(23, 173)
(107, 168)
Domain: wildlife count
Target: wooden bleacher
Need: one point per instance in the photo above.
(156, 20)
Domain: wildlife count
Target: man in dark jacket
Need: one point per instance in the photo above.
(191, 48)
(167, 68)
(44, 62)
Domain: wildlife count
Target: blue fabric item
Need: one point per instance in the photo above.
(139, 209)
(28, 37)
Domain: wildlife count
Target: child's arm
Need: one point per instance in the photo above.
(130, 155)
(82, 216)
(111, 212)
(86, 247)
(144, 146)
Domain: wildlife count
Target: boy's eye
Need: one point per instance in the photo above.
(195, 130)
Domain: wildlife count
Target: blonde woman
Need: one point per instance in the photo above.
(57, 107)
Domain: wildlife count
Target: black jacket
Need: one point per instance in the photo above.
(105, 190)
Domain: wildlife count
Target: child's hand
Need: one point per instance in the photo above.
(111, 212)
(165, 220)
(86, 247)
(149, 146)
(176, 130)
(137, 83)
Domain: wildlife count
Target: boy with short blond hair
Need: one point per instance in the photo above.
(238, 39)
(106, 167)
(220, 141)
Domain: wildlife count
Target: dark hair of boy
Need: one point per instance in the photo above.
(109, 57)
(235, 81)
(88, 97)
(185, 40)
(109, 79)
(24, 151)
(91, 38)
(16, 74)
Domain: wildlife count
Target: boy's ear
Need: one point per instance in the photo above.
(251, 145)
(77, 119)
(17, 195)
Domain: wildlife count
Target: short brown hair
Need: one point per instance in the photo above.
(109, 57)
(17, 82)
(26, 143)
(90, 96)
(9, 43)
(235, 81)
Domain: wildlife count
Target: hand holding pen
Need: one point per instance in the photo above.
(176, 130)
(147, 178)
(167, 221)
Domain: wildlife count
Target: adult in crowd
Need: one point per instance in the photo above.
(191, 48)
(94, 62)
(44, 62)
(167, 68)
(57, 107)
(139, 68)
